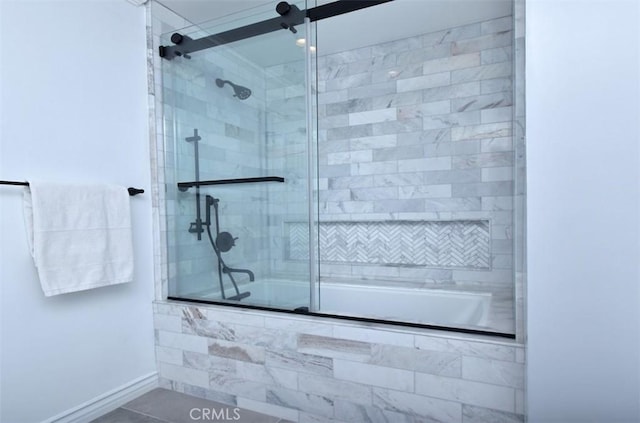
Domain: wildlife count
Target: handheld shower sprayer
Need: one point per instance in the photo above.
(241, 92)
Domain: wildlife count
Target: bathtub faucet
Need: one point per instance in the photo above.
(228, 270)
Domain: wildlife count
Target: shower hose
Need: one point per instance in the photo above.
(223, 242)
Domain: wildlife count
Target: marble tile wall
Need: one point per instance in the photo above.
(421, 129)
(520, 175)
(310, 370)
(286, 108)
(415, 129)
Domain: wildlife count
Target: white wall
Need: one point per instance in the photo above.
(583, 210)
(74, 108)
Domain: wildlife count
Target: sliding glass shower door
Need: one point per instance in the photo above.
(379, 178)
(238, 131)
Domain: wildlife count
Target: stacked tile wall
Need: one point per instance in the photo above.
(420, 130)
(286, 108)
(310, 370)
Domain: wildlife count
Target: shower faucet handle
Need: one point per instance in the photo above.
(225, 241)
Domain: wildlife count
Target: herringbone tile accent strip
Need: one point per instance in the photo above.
(297, 241)
(463, 243)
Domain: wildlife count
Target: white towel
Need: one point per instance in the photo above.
(79, 235)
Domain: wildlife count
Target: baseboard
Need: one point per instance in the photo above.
(108, 401)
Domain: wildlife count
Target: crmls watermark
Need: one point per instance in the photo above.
(212, 414)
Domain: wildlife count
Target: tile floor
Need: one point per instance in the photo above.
(164, 406)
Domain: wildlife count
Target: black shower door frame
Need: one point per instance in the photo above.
(184, 45)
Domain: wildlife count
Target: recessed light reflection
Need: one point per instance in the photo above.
(301, 42)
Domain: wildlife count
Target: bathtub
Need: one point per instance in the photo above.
(424, 306)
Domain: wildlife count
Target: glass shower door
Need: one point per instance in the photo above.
(238, 209)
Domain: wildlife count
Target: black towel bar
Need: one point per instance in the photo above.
(132, 191)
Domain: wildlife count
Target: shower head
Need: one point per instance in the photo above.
(241, 92)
